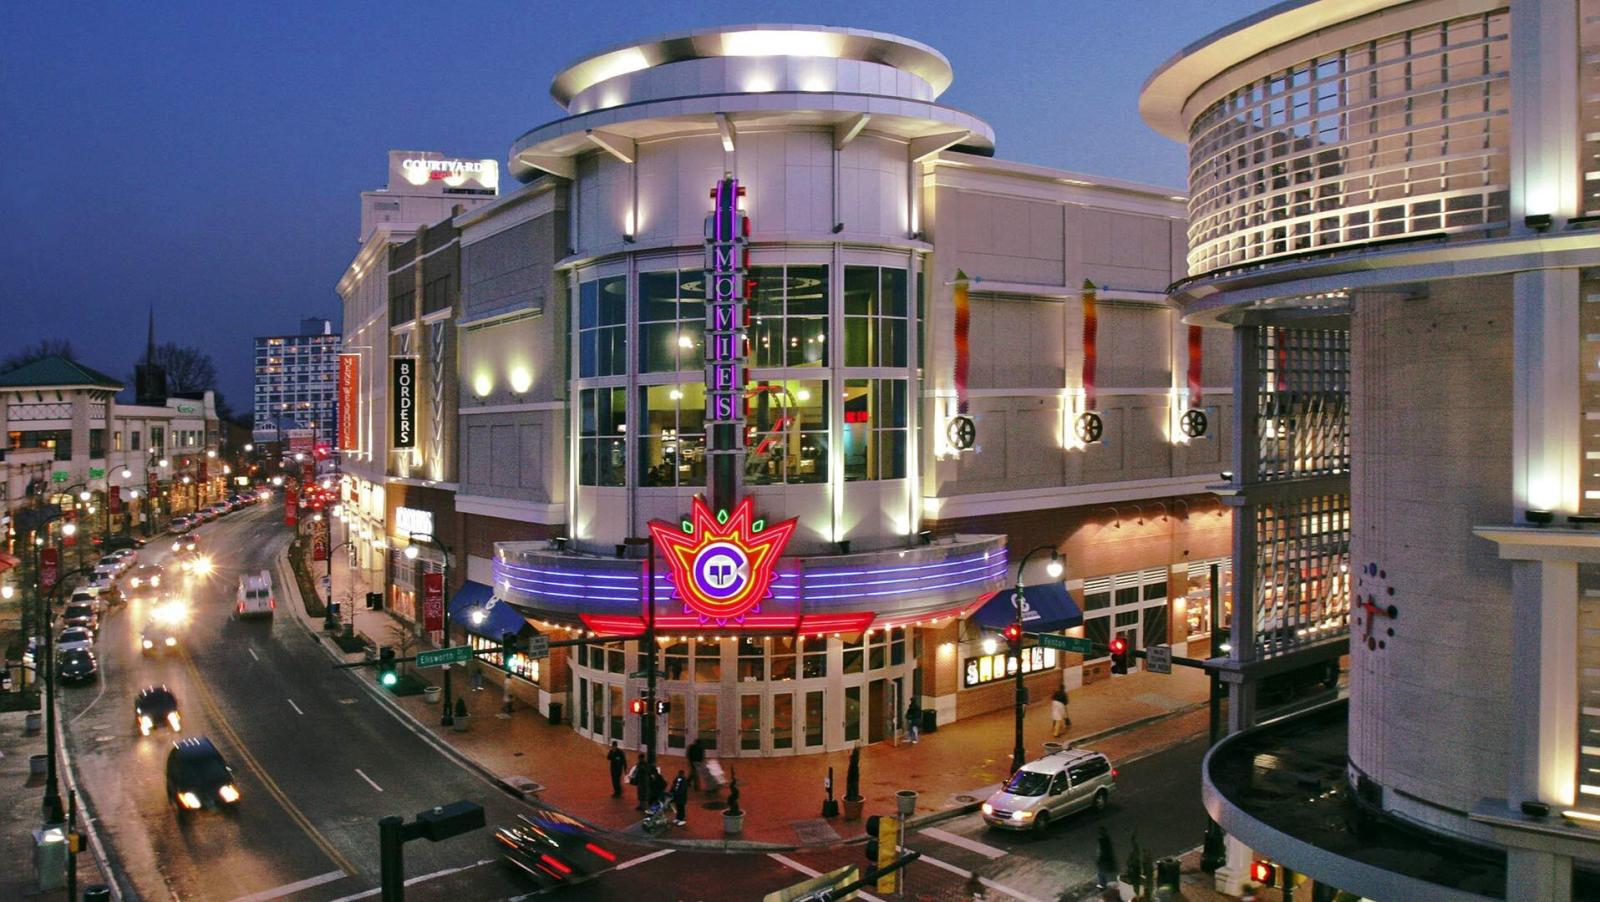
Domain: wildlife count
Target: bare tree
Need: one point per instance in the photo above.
(44, 347)
(188, 369)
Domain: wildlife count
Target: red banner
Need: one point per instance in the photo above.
(291, 507)
(319, 540)
(308, 473)
(203, 475)
(1196, 358)
(963, 321)
(114, 502)
(1090, 330)
(433, 601)
(47, 569)
(349, 388)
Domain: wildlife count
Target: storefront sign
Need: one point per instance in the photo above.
(349, 389)
(722, 564)
(989, 668)
(291, 507)
(403, 391)
(409, 521)
(301, 440)
(48, 569)
(97, 473)
(727, 259)
(433, 601)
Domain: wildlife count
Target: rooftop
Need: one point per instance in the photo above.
(56, 371)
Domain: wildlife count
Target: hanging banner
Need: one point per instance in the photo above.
(349, 388)
(114, 502)
(48, 569)
(1091, 328)
(727, 263)
(961, 432)
(319, 540)
(433, 601)
(291, 507)
(1195, 360)
(403, 395)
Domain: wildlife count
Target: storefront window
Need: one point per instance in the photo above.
(672, 441)
(815, 657)
(752, 659)
(521, 665)
(614, 694)
(672, 323)
(749, 723)
(875, 316)
(783, 656)
(602, 424)
(789, 316)
(1195, 614)
(677, 721)
(707, 661)
(783, 720)
(874, 429)
(897, 647)
(602, 328)
(616, 660)
(787, 433)
(583, 703)
(706, 712)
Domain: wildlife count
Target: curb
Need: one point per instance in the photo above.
(87, 820)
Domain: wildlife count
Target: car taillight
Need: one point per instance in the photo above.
(1115, 773)
(555, 863)
(608, 856)
(272, 603)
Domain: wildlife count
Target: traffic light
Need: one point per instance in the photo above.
(1119, 655)
(508, 645)
(882, 850)
(386, 672)
(662, 707)
(636, 706)
(1264, 872)
(1013, 634)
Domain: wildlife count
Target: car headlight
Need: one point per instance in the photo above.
(136, 582)
(149, 644)
(229, 793)
(189, 800)
(144, 724)
(171, 641)
(175, 546)
(173, 721)
(1021, 815)
(155, 580)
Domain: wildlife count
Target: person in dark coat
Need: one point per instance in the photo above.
(641, 783)
(619, 763)
(658, 786)
(913, 721)
(696, 753)
(680, 797)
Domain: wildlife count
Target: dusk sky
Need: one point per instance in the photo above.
(206, 158)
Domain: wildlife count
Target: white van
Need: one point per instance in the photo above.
(255, 595)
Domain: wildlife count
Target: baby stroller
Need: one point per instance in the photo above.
(659, 816)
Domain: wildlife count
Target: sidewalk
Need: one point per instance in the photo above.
(21, 795)
(953, 769)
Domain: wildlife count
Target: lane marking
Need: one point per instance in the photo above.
(252, 652)
(101, 679)
(279, 892)
(363, 776)
(971, 845)
(367, 894)
(963, 872)
(295, 707)
(271, 785)
(644, 858)
(788, 862)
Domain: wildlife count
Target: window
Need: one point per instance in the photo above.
(874, 429)
(676, 658)
(874, 316)
(783, 720)
(133, 439)
(752, 659)
(602, 449)
(158, 437)
(750, 722)
(672, 321)
(707, 661)
(852, 653)
(852, 714)
(603, 327)
(813, 719)
(787, 432)
(672, 441)
(897, 647)
(116, 440)
(783, 657)
(1058, 784)
(789, 316)
(815, 657)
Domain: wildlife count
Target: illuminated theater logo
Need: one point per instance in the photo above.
(722, 564)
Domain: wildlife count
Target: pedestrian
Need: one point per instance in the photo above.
(1058, 713)
(696, 753)
(658, 786)
(914, 721)
(641, 783)
(619, 763)
(680, 797)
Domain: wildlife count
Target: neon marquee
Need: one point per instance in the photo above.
(722, 564)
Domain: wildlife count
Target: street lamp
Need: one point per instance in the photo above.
(1054, 568)
(52, 787)
(248, 447)
(447, 718)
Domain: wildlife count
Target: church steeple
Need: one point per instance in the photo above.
(150, 342)
(149, 379)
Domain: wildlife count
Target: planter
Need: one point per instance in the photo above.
(732, 824)
(459, 723)
(432, 694)
(852, 808)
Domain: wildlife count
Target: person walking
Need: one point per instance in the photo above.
(619, 763)
(680, 797)
(914, 721)
(696, 753)
(640, 779)
(658, 787)
(1058, 713)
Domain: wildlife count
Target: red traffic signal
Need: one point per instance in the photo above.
(1013, 633)
(1119, 655)
(1119, 646)
(636, 706)
(1263, 872)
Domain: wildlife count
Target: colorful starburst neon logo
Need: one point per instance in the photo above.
(722, 563)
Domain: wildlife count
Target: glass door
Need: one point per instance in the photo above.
(706, 719)
(749, 723)
(782, 721)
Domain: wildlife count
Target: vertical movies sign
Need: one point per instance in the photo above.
(433, 602)
(727, 262)
(403, 392)
(349, 389)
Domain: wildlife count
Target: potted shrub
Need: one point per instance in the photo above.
(733, 815)
(459, 722)
(853, 802)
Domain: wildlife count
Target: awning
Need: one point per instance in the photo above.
(498, 617)
(1046, 608)
(7, 561)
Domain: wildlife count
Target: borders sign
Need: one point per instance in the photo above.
(403, 389)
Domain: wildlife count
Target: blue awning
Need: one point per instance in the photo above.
(1046, 608)
(499, 617)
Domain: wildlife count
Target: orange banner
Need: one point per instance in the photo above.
(349, 388)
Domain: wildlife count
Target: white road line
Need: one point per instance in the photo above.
(295, 707)
(368, 779)
(644, 858)
(414, 880)
(252, 652)
(999, 888)
(788, 862)
(291, 888)
(971, 845)
(101, 679)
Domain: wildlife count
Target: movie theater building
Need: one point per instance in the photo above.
(813, 374)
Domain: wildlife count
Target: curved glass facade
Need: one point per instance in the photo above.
(1406, 135)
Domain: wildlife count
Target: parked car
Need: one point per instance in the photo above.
(74, 637)
(155, 707)
(81, 613)
(76, 665)
(198, 778)
(1052, 787)
(179, 525)
(120, 543)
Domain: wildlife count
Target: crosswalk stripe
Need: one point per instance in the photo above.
(971, 845)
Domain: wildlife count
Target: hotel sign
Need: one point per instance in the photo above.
(403, 392)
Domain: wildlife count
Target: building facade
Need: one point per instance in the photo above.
(1391, 205)
(296, 384)
(948, 362)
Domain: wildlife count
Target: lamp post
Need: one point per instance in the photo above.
(446, 718)
(1018, 754)
(647, 723)
(52, 787)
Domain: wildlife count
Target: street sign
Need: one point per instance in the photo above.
(1158, 658)
(636, 675)
(538, 646)
(1066, 643)
(97, 472)
(456, 655)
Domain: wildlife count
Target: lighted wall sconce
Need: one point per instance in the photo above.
(1539, 222)
(1539, 517)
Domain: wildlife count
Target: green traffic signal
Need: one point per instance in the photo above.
(386, 664)
(388, 679)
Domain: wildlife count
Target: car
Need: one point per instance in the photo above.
(107, 567)
(255, 597)
(218, 509)
(197, 777)
(188, 542)
(1052, 787)
(552, 848)
(121, 543)
(165, 628)
(156, 707)
(143, 580)
(126, 555)
(76, 665)
(179, 525)
(101, 582)
(81, 613)
(75, 637)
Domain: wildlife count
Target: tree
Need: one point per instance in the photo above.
(188, 369)
(44, 347)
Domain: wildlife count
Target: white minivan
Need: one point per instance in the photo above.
(255, 595)
(1052, 787)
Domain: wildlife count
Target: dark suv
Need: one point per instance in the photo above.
(197, 777)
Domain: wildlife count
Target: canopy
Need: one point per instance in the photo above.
(1046, 608)
(499, 618)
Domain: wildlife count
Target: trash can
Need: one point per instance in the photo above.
(97, 893)
(905, 803)
(1167, 874)
(555, 713)
(38, 764)
(1051, 747)
(930, 720)
(50, 857)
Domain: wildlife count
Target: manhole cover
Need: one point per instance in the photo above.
(814, 831)
(966, 799)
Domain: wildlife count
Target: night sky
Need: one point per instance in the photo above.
(206, 158)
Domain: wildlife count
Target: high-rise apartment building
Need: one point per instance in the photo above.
(296, 384)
